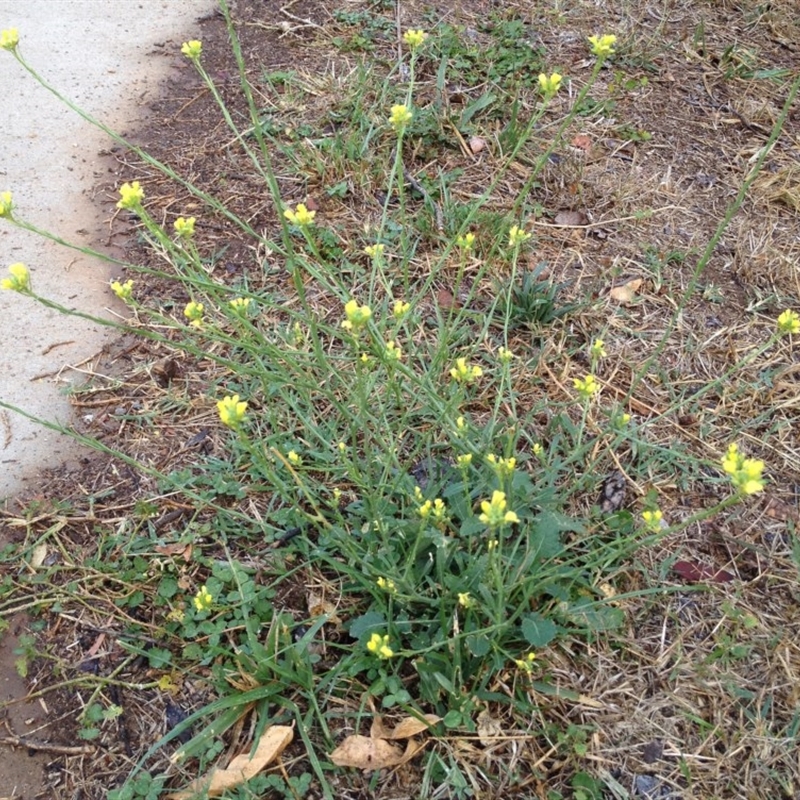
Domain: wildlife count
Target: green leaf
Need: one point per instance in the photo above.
(452, 719)
(368, 623)
(538, 630)
(484, 101)
(479, 645)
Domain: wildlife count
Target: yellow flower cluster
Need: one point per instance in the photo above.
(203, 600)
(185, 227)
(20, 280)
(602, 46)
(123, 290)
(788, 321)
(516, 236)
(525, 664)
(549, 84)
(356, 316)
(192, 49)
(301, 216)
(6, 205)
(194, 313)
(399, 118)
(400, 309)
(393, 352)
(231, 410)
(374, 250)
(240, 304)
(387, 585)
(586, 386)
(414, 38)
(466, 242)
(503, 467)
(131, 196)
(463, 372)
(9, 39)
(495, 511)
(746, 473)
(436, 508)
(379, 646)
(653, 519)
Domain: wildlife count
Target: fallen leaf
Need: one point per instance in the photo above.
(476, 144)
(273, 742)
(319, 606)
(411, 726)
(488, 728)
(364, 752)
(572, 218)
(626, 293)
(311, 204)
(38, 556)
(446, 300)
(582, 142)
(694, 572)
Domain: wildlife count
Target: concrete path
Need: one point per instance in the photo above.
(109, 56)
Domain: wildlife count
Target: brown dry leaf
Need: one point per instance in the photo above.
(476, 144)
(318, 605)
(489, 728)
(272, 743)
(364, 752)
(582, 142)
(38, 556)
(626, 293)
(406, 728)
(446, 300)
(571, 218)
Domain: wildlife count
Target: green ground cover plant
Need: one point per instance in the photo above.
(418, 429)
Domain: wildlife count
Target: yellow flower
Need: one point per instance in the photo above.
(387, 585)
(746, 473)
(463, 372)
(504, 355)
(466, 242)
(414, 38)
(374, 250)
(6, 205)
(9, 39)
(400, 117)
(203, 600)
(536, 449)
(492, 544)
(425, 509)
(379, 645)
(194, 313)
(502, 467)
(240, 304)
(788, 321)
(131, 196)
(393, 352)
(342, 447)
(294, 458)
(185, 227)
(549, 85)
(602, 46)
(516, 236)
(464, 460)
(461, 425)
(301, 216)
(465, 600)
(400, 309)
(495, 511)
(123, 290)
(652, 519)
(20, 280)
(597, 350)
(439, 509)
(525, 664)
(192, 49)
(586, 386)
(356, 316)
(231, 410)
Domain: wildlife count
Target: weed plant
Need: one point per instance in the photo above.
(393, 445)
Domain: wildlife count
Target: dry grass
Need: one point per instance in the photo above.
(698, 696)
